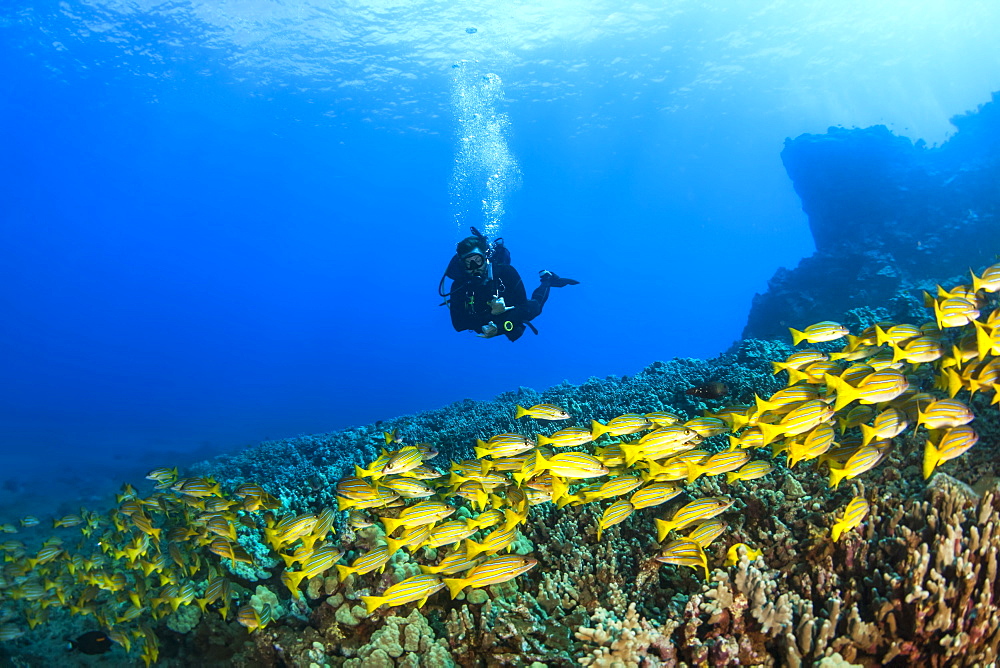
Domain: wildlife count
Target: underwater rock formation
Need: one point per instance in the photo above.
(889, 218)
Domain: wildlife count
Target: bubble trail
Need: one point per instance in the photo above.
(485, 169)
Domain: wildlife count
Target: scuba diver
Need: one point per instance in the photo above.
(487, 294)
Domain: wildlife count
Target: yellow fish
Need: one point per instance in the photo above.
(569, 465)
(874, 388)
(799, 359)
(455, 562)
(699, 509)
(856, 510)
(707, 531)
(896, 334)
(864, 459)
(750, 471)
(954, 312)
(416, 588)
(821, 331)
(800, 419)
(629, 423)
(654, 493)
(376, 559)
(952, 443)
(542, 412)
(411, 538)
(717, 464)
(503, 445)
(888, 424)
(425, 512)
(565, 438)
(684, 552)
(817, 442)
(988, 281)
(403, 460)
(733, 554)
(253, 620)
(496, 541)
(923, 349)
(944, 413)
(662, 418)
(491, 571)
(614, 487)
(616, 513)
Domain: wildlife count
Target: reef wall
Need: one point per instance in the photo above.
(889, 217)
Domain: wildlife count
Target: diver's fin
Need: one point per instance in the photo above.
(555, 281)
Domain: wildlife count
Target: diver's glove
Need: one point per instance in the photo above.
(497, 306)
(489, 331)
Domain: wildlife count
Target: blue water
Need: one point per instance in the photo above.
(226, 222)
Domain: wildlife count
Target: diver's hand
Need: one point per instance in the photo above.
(489, 331)
(497, 306)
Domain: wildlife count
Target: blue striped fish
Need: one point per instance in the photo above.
(785, 400)
(750, 471)
(503, 445)
(403, 460)
(815, 443)
(614, 514)
(455, 562)
(366, 563)
(318, 563)
(574, 465)
(864, 459)
(819, 332)
(425, 512)
(944, 413)
(449, 533)
(896, 334)
(919, 350)
(253, 620)
(954, 312)
(888, 424)
(565, 438)
(800, 419)
(855, 512)
(411, 538)
(629, 423)
(699, 509)
(952, 443)
(497, 540)
(684, 552)
(717, 464)
(492, 571)
(707, 531)
(614, 487)
(799, 359)
(416, 588)
(654, 493)
(876, 387)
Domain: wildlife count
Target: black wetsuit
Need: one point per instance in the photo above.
(469, 302)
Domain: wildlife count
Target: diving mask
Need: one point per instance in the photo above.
(474, 261)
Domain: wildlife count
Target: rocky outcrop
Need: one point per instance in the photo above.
(889, 217)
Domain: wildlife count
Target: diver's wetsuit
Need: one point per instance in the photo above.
(470, 297)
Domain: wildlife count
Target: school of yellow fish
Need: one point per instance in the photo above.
(840, 410)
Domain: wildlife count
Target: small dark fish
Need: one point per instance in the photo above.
(709, 390)
(472, 31)
(92, 642)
